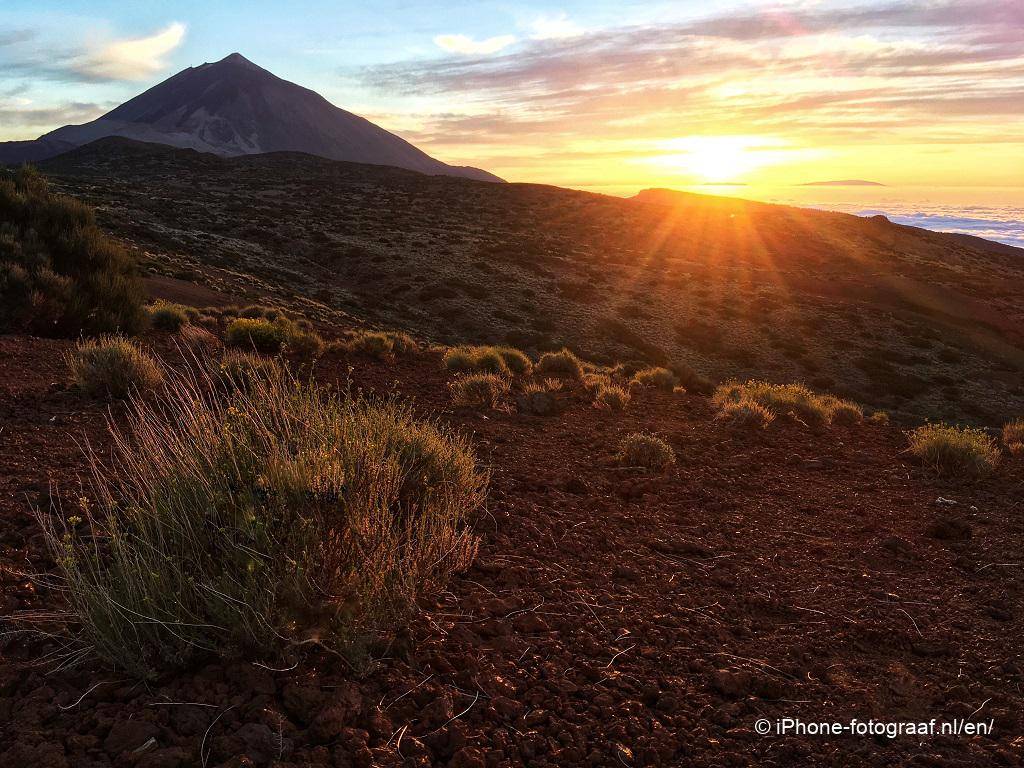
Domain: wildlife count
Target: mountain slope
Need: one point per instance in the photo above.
(233, 107)
(919, 323)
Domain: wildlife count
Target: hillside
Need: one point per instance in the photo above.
(919, 323)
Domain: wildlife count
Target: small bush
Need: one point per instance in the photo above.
(517, 361)
(647, 451)
(611, 397)
(879, 417)
(256, 334)
(660, 378)
(167, 317)
(691, 380)
(562, 363)
(59, 274)
(305, 344)
(479, 390)
(383, 345)
(794, 400)
(1013, 436)
(536, 398)
(745, 413)
(112, 366)
(254, 524)
(238, 369)
(505, 361)
(951, 450)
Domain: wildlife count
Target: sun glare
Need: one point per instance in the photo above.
(717, 159)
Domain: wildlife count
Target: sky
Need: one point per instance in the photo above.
(602, 94)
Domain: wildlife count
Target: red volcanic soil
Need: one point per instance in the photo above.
(612, 617)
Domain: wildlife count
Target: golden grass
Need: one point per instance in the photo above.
(951, 450)
(112, 366)
(794, 400)
(253, 522)
(643, 450)
(1013, 436)
(479, 390)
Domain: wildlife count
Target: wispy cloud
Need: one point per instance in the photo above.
(554, 27)
(25, 54)
(892, 71)
(462, 44)
(131, 59)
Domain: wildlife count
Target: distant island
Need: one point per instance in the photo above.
(842, 183)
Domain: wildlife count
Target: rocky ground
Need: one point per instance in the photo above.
(612, 617)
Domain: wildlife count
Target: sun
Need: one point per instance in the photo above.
(719, 159)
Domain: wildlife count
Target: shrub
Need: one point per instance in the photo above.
(743, 413)
(258, 311)
(536, 398)
(256, 334)
(59, 274)
(112, 366)
(517, 361)
(952, 450)
(382, 345)
(238, 369)
(305, 344)
(691, 380)
(506, 361)
(1013, 436)
(647, 451)
(562, 363)
(254, 524)
(167, 317)
(795, 400)
(611, 397)
(879, 417)
(479, 390)
(198, 337)
(661, 378)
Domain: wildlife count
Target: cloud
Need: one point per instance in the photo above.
(554, 27)
(131, 59)
(896, 71)
(467, 46)
(21, 120)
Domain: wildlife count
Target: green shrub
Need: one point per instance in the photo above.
(1013, 436)
(168, 317)
(254, 524)
(660, 378)
(256, 334)
(647, 451)
(561, 363)
(59, 274)
(794, 400)
(112, 366)
(479, 390)
(951, 450)
(611, 397)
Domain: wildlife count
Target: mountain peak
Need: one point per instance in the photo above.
(234, 107)
(237, 59)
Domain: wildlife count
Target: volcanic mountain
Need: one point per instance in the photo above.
(233, 107)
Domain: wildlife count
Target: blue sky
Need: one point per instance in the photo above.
(599, 92)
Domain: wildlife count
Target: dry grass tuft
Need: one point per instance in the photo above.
(612, 398)
(794, 400)
(647, 451)
(561, 363)
(660, 378)
(112, 366)
(505, 361)
(744, 413)
(479, 390)
(1013, 436)
(255, 523)
(951, 450)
